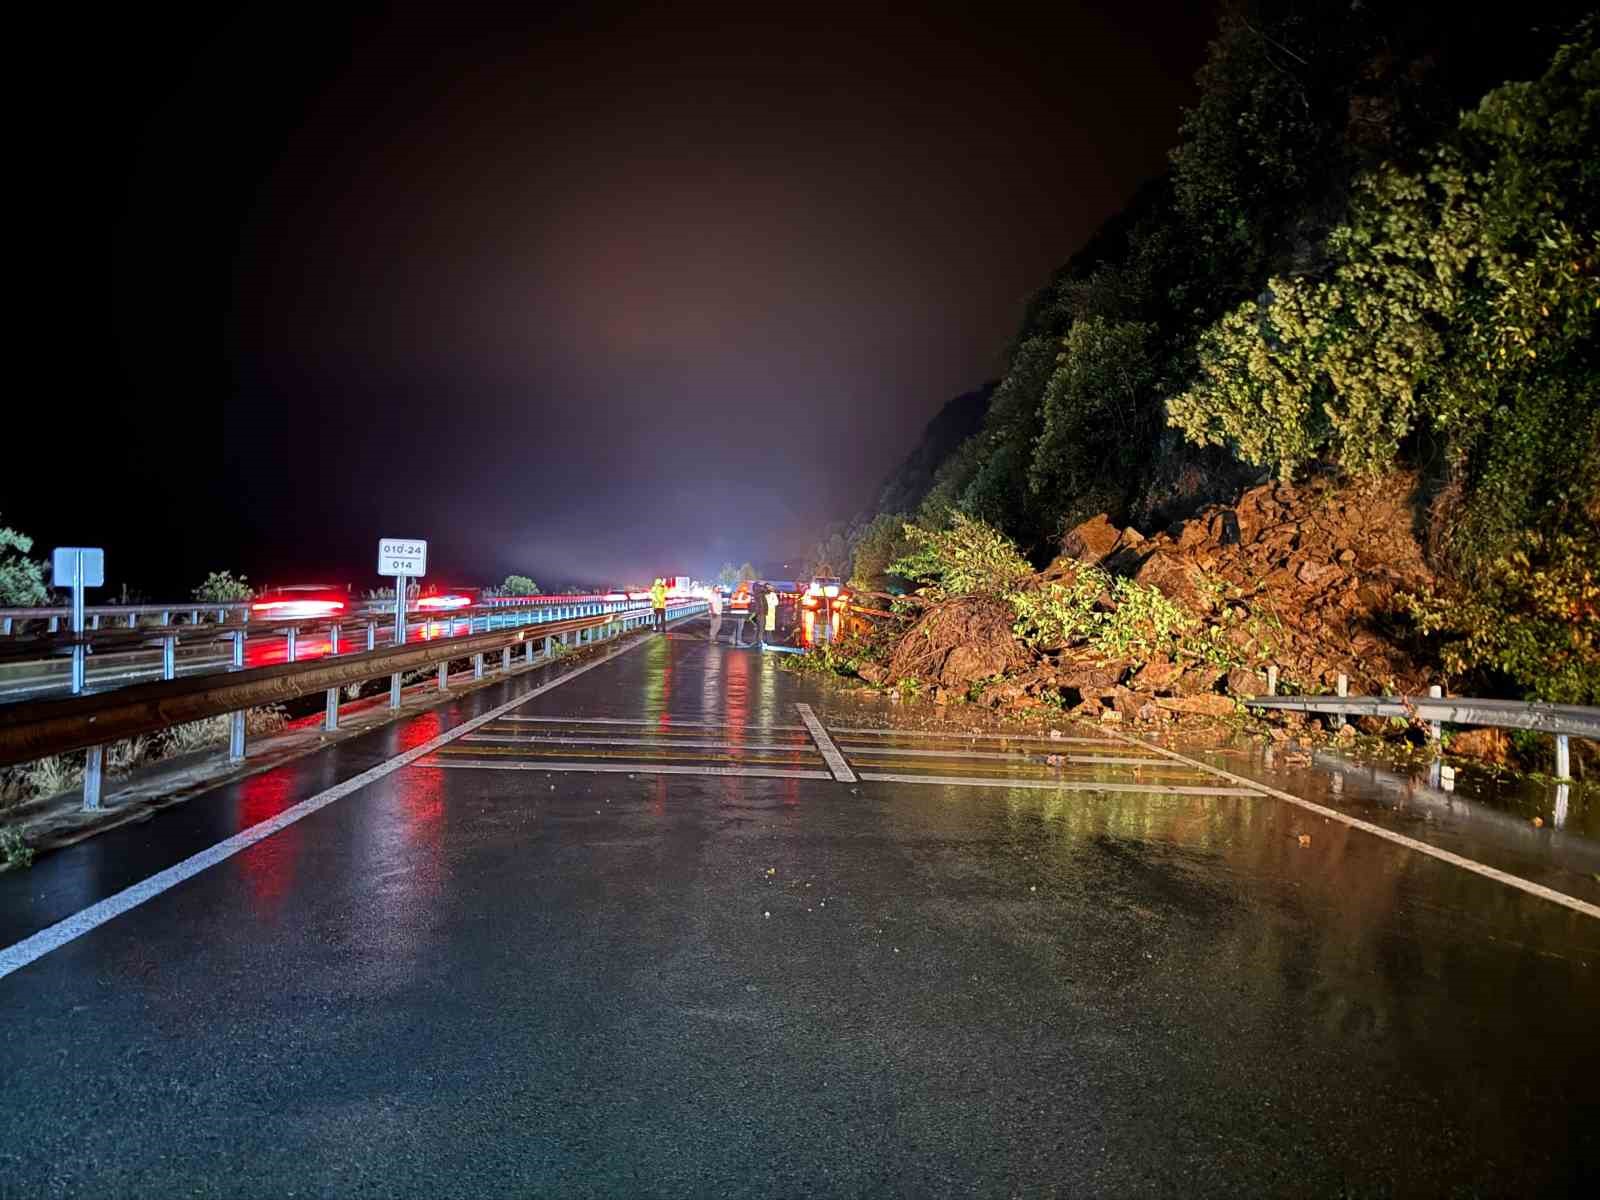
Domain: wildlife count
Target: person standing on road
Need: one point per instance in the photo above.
(715, 600)
(769, 606)
(658, 602)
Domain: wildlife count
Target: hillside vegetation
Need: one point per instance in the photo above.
(1371, 268)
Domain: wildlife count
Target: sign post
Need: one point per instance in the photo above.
(77, 567)
(404, 559)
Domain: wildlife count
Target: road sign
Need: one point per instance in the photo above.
(403, 556)
(65, 564)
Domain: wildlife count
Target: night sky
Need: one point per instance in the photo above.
(592, 295)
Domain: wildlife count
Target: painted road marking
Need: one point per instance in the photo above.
(30, 949)
(830, 753)
(1028, 756)
(640, 768)
(1389, 835)
(797, 754)
(1065, 785)
(537, 740)
(961, 735)
(663, 723)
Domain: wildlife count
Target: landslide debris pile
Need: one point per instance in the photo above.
(1124, 627)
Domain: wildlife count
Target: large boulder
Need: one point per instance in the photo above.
(1208, 704)
(1245, 683)
(1091, 541)
(1175, 579)
(1486, 745)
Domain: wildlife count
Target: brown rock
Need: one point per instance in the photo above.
(1208, 705)
(1128, 703)
(1245, 683)
(1158, 675)
(1196, 681)
(1486, 745)
(1175, 579)
(1089, 709)
(871, 672)
(1091, 540)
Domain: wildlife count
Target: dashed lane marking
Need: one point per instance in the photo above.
(830, 753)
(957, 735)
(1032, 756)
(618, 768)
(1388, 835)
(1064, 785)
(662, 723)
(542, 740)
(799, 754)
(30, 949)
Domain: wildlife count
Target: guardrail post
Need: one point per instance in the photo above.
(527, 653)
(236, 720)
(194, 616)
(549, 646)
(1436, 728)
(372, 635)
(289, 644)
(477, 665)
(330, 713)
(94, 620)
(169, 656)
(55, 625)
(1563, 757)
(505, 659)
(1272, 680)
(444, 676)
(94, 762)
(1342, 686)
(335, 637)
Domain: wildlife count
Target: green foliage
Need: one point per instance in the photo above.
(14, 851)
(223, 587)
(1452, 287)
(1060, 614)
(21, 578)
(1097, 411)
(969, 558)
(881, 543)
(1533, 617)
(519, 585)
(728, 576)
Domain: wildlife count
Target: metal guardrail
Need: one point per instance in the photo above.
(1561, 721)
(39, 728)
(46, 649)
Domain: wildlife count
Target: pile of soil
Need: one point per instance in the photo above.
(1307, 579)
(959, 643)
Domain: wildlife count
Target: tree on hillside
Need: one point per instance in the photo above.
(519, 585)
(21, 578)
(728, 576)
(882, 542)
(746, 573)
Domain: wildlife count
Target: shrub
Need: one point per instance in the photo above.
(519, 585)
(222, 587)
(970, 558)
(21, 578)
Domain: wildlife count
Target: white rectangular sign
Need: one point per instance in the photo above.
(64, 565)
(403, 556)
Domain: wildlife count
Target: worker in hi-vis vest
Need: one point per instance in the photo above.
(658, 602)
(769, 608)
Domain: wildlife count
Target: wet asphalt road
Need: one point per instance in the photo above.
(483, 975)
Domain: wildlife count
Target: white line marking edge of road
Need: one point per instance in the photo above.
(34, 947)
(1388, 835)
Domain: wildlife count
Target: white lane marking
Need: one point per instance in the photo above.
(639, 768)
(36, 946)
(957, 735)
(830, 753)
(665, 726)
(533, 743)
(1050, 785)
(1389, 835)
(1027, 756)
